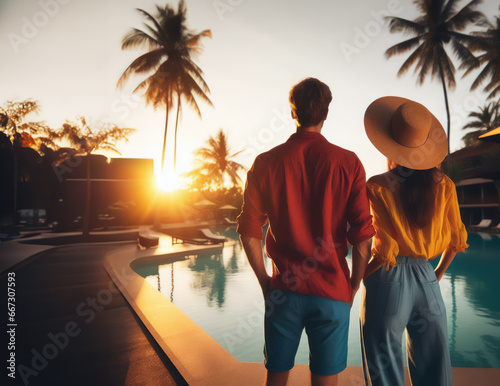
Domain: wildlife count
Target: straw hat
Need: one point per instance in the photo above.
(406, 132)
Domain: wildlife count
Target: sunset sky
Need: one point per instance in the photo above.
(67, 55)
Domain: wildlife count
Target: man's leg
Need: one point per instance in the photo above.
(277, 379)
(327, 327)
(282, 329)
(280, 379)
(324, 380)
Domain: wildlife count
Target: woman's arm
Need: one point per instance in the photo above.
(373, 265)
(446, 259)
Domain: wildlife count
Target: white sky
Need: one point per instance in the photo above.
(70, 60)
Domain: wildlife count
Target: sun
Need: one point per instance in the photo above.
(168, 181)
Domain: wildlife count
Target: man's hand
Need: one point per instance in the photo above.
(265, 284)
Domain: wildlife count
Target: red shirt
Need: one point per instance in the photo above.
(314, 195)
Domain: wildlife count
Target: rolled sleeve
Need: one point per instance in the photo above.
(252, 217)
(358, 209)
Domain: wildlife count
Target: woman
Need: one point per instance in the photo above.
(416, 216)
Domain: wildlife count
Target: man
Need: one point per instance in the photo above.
(313, 194)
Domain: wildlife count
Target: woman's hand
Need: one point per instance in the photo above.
(439, 271)
(372, 266)
(446, 259)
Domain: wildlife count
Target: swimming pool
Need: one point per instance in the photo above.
(220, 293)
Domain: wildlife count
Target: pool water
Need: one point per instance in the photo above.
(220, 293)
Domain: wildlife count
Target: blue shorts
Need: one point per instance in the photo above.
(327, 326)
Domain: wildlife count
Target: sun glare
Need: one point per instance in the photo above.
(168, 182)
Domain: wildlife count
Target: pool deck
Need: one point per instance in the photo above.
(122, 331)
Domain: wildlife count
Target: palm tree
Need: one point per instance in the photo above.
(487, 118)
(86, 140)
(23, 133)
(489, 43)
(13, 123)
(438, 26)
(169, 61)
(215, 164)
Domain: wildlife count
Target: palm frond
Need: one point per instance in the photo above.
(446, 66)
(17, 111)
(449, 9)
(144, 64)
(470, 41)
(397, 24)
(472, 137)
(402, 47)
(425, 63)
(137, 38)
(467, 59)
(466, 16)
(473, 125)
(485, 72)
(158, 31)
(193, 42)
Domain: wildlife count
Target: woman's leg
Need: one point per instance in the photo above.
(427, 338)
(382, 327)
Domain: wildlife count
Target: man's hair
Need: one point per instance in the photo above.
(309, 100)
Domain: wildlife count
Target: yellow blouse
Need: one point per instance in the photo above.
(396, 237)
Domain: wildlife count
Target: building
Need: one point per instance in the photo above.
(122, 191)
(476, 172)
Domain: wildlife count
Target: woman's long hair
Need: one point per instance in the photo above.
(417, 193)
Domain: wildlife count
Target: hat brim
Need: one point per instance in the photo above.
(377, 120)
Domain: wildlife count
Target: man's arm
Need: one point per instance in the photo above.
(253, 249)
(361, 253)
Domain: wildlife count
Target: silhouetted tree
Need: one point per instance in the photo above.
(488, 42)
(215, 164)
(14, 122)
(87, 140)
(174, 75)
(439, 25)
(23, 133)
(486, 119)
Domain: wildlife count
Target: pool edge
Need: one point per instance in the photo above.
(197, 356)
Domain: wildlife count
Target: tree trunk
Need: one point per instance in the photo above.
(86, 213)
(157, 223)
(176, 123)
(164, 142)
(446, 104)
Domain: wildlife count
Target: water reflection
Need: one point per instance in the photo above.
(471, 296)
(216, 289)
(479, 266)
(210, 272)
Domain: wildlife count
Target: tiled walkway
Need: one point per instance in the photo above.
(75, 328)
